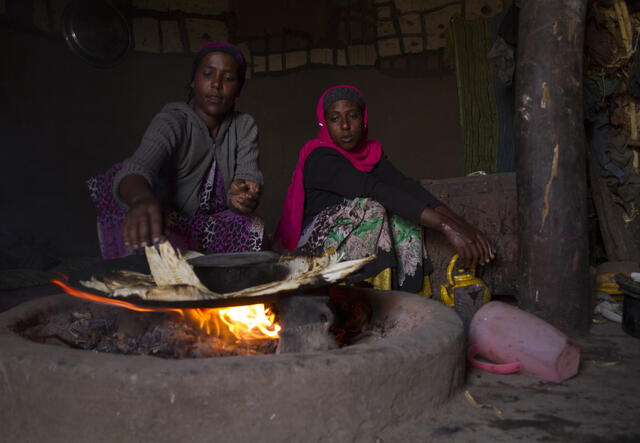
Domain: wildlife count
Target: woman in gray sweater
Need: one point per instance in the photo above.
(195, 177)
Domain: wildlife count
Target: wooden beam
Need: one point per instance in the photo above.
(551, 165)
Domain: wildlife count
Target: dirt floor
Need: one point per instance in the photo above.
(600, 404)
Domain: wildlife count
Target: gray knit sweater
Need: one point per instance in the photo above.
(176, 152)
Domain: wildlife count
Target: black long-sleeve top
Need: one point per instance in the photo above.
(329, 178)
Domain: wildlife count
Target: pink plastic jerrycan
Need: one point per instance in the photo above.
(517, 340)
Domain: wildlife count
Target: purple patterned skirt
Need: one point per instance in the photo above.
(214, 228)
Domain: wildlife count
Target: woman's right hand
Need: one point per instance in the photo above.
(144, 224)
(145, 221)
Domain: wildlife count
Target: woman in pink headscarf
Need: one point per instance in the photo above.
(345, 194)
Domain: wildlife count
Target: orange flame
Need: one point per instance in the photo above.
(250, 322)
(108, 301)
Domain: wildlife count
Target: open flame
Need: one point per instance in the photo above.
(250, 322)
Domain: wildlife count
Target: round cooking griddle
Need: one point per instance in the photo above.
(134, 301)
(96, 32)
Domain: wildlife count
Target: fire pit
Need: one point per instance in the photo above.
(411, 363)
(175, 333)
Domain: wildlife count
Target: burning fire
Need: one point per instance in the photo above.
(250, 322)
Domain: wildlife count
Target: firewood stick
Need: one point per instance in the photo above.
(616, 7)
(623, 29)
(634, 121)
(624, 12)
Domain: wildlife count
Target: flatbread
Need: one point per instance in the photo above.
(173, 279)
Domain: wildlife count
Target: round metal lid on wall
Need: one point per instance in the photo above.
(96, 31)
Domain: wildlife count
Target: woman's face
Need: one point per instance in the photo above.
(345, 123)
(215, 86)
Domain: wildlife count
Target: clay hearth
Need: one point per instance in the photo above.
(53, 393)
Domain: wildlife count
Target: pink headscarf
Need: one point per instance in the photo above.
(364, 157)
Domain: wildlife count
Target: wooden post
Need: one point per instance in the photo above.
(551, 165)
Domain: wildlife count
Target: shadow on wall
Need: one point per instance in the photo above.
(67, 121)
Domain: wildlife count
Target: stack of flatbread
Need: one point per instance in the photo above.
(173, 279)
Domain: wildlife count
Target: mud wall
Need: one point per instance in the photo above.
(63, 120)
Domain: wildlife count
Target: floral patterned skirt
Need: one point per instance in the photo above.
(362, 227)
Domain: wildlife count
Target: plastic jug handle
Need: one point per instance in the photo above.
(505, 368)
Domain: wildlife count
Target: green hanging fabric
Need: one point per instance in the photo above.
(468, 45)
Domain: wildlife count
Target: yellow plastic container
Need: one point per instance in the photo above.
(605, 282)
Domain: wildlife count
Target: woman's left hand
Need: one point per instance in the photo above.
(469, 242)
(472, 245)
(245, 195)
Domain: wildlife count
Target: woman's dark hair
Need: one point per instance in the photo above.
(219, 46)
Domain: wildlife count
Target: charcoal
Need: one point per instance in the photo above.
(114, 330)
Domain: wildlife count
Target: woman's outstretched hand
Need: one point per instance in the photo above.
(145, 222)
(244, 195)
(470, 243)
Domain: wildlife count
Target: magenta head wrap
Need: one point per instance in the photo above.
(228, 48)
(364, 157)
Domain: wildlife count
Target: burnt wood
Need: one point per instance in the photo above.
(551, 164)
